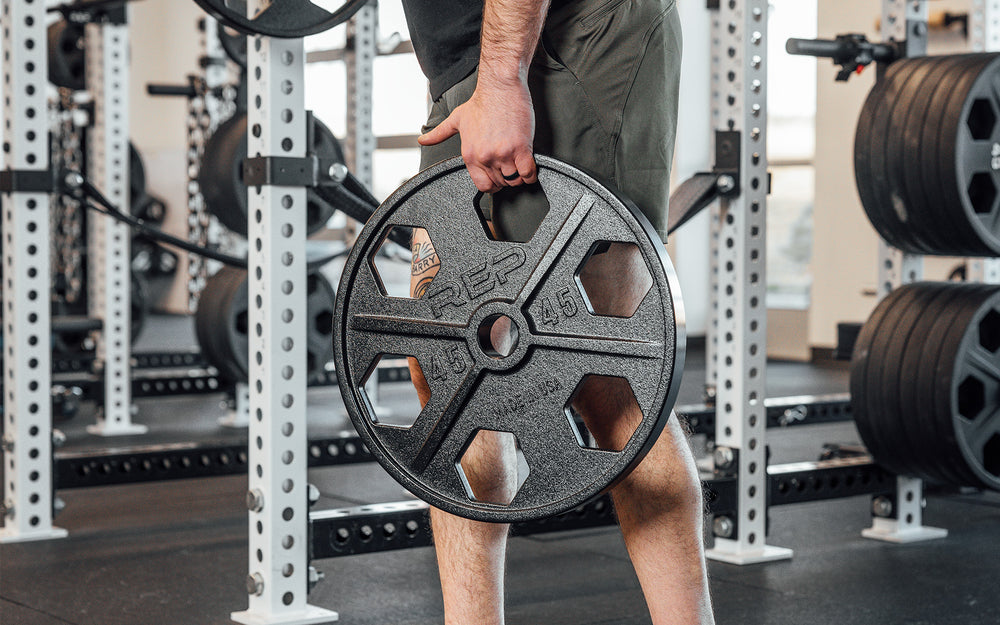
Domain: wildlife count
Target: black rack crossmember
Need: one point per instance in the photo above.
(401, 525)
(157, 463)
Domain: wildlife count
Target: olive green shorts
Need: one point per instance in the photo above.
(604, 83)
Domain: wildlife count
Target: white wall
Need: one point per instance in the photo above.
(165, 46)
(693, 153)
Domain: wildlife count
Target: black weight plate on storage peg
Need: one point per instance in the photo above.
(285, 19)
(916, 401)
(869, 148)
(136, 178)
(235, 332)
(203, 318)
(867, 363)
(967, 391)
(906, 131)
(67, 59)
(970, 128)
(139, 309)
(221, 175)
(935, 134)
(525, 394)
(863, 139)
(208, 321)
(897, 431)
(234, 44)
(923, 178)
(935, 375)
(319, 322)
(220, 323)
(901, 211)
(887, 201)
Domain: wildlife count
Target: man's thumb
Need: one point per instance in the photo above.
(442, 131)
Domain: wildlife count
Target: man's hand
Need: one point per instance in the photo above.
(497, 126)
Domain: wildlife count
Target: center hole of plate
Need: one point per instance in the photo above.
(498, 336)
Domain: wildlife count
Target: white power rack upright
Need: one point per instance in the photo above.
(739, 327)
(902, 20)
(27, 367)
(108, 242)
(278, 497)
(359, 57)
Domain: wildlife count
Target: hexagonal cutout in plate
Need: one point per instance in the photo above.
(971, 397)
(989, 331)
(982, 193)
(603, 412)
(981, 119)
(601, 279)
(398, 404)
(393, 265)
(513, 213)
(492, 467)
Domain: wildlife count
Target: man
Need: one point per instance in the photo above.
(592, 82)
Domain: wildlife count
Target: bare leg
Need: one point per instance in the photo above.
(470, 554)
(659, 505)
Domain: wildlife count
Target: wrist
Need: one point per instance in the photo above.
(503, 75)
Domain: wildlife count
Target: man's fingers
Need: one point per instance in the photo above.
(522, 171)
(442, 131)
(525, 163)
(482, 179)
(511, 180)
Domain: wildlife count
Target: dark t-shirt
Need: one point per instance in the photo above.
(445, 35)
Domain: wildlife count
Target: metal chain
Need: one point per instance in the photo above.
(199, 124)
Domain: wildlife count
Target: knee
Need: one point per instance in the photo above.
(489, 465)
(668, 476)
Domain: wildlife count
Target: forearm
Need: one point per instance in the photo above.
(510, 33)
(497, 123)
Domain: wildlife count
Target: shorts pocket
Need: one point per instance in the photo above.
(598, 13)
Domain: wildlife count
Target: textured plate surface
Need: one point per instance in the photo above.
(970, 154)
(527, 393)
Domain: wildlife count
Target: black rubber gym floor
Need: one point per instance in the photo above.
(175, 552)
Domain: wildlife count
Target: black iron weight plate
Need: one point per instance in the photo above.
(862, 360)
(964, 155)
(286, 19)
(869, 144)
(924, 180)
(221, 323)
(916, 403)
(885, 205)
(526, 393)
(942, 344)
(897, 206)
(973, 429)
(904, 152)
(221, 175)
(892, 425)
(862, 154)
(942, 138)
